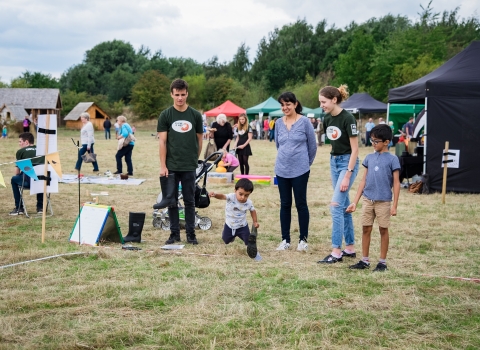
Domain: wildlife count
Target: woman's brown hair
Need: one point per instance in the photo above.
(341, 93)
(243, 127)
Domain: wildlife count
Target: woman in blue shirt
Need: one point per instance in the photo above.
(126, 151)
(296, 145)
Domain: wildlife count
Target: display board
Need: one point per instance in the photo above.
(95, 224)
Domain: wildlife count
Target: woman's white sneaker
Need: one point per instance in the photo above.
(284, 245)
(302, 246)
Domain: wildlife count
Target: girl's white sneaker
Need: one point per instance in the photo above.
(284, 245)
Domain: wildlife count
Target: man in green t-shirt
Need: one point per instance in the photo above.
(27, 150)
(180, 133)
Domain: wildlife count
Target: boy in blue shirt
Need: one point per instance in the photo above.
(381, 174)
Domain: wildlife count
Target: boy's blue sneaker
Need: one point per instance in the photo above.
(258, 258)
(252, 245)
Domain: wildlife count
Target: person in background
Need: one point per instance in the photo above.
(87, 141)
(235, 132)
(243, 149)
(266, 125)
(381, 121)
(134, 129)
(222, 132)
(107, 126)
(381, 174)
(26, 124)
(259, 128)
(27, 151)
(125, 151)
(368, 127)
(4, 131)
(320, 132)
(253, 126)
(341, 129)
(392, 128)
(117, 128)
(409, 128)
(230, 162)
(271, 129)
(204, 130)
(297, 148)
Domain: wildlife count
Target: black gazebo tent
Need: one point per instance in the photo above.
(364, 103)
(451, 95)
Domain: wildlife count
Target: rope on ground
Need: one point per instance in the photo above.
(40, 259)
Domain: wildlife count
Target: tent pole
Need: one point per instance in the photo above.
(425, 138)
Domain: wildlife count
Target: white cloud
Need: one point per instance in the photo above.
(50, 36)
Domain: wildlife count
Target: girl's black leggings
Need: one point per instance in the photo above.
(244, 167)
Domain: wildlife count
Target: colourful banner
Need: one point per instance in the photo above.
(2, 182)
(54, 160)
(26, 166)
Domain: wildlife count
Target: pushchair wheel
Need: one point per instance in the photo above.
(165, 224)
(204, 223)
(157, 222)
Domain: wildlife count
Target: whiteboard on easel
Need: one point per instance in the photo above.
(96, 222)
(454, 159)
(41, 136)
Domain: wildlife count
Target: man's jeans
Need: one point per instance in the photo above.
(342, 223)
(188, 190)
(17, 181)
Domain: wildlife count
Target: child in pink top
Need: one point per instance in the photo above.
(230, 161)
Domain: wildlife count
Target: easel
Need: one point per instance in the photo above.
(445, 166)
(45, 174)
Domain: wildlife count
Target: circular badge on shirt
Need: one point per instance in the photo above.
(333, 133)
(182, 126)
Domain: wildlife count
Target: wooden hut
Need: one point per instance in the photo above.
(12, 113)
(97, 116)
(33, 101)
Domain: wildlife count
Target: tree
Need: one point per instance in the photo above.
(151, 94)
(196, 90)
(240, 64)
(40, 80)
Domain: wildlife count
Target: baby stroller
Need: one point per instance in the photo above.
(160, 216)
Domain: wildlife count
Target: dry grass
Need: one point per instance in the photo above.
(151, 299)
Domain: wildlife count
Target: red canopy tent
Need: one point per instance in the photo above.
(228, 108)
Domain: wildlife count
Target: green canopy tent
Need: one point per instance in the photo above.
(317, 113)
(266, 107)
(400, 113)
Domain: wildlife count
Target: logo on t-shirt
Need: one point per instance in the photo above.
(333, 133)
(182, 126)
(354, 129)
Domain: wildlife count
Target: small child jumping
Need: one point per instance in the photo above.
(381, 174)
(236, 224)
(230, 161)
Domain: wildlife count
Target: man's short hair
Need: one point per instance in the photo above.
(246, 184)
(178, 84)
(27, 136)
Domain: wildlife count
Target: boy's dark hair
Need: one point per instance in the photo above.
(246, 184)
(27, 136)
(178, 84)
(290, 97)
(382, 132)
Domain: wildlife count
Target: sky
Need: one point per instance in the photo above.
(49, 36)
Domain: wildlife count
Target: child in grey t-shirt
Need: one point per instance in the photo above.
(236, 224)
(381, 174)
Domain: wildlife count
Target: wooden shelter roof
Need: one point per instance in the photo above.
(31, 98)
(77, 110)
(17, 112)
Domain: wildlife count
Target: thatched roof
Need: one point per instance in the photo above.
(17, 112)
(77, 110)
(31, 98)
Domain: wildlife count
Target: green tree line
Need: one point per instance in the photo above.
(371, 57)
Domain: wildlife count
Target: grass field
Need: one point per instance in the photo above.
(108, 298)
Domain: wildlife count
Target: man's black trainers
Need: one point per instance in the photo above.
(348, 255)
(361, 265)
(174, 237)
(380, 267)
(16, 211)
(252, 245)
(330, 259)
(192, 239)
